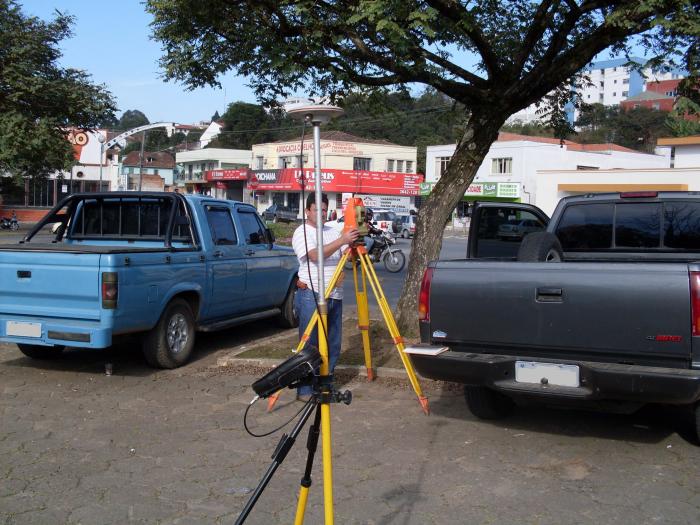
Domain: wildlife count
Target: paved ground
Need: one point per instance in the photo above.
(145, 446)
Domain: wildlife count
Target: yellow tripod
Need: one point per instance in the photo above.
(360, 258)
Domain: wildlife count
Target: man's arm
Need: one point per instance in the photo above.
(347, 237)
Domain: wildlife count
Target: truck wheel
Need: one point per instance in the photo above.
(697, 422)
(485, 403)
(288, 317)
(540, 247)
(404, 234)
(169, 344)
(41, 352)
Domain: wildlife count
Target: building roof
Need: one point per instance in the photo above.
(649, 95)
(340, 136)
(151, 159)
(570, 145)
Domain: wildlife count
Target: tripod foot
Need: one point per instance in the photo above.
(371, 374)
(424, 404)
(271, 401)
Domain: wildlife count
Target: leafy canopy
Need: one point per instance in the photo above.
(38, 98)
(523, 49)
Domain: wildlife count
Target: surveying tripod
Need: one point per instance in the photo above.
(360, 259)
(324, 390)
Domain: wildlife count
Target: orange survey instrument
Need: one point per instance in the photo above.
(354, 215)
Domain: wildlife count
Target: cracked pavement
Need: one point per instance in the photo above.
(154, 446)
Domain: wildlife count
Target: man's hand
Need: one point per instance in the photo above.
(350, 236)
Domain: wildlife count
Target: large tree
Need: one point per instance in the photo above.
(39, 99)
(493, 57)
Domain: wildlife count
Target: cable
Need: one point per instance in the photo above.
(245, 420)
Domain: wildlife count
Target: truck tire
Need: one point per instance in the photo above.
(288, 317)
(169, 343)
(41, 352)
(485, 403)
(540, 247)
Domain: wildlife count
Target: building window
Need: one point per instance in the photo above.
(390, 165)
(582, 167)
(625, 93)
(614, 93)
(625, 80)
(502, 166)
(615, 69)
(615, 81)
(291, 161)
(600, 98)
(259, 163)
(441, 165)
(361, 163)
(656, 105)
(602, 84)
(155, 172)
(399, 166)
(409, 166)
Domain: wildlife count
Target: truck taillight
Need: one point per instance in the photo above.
(424, 296)
(110, 289)
(695, 301)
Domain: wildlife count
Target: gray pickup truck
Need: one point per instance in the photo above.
(600, 307)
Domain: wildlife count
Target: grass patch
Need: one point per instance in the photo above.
(283, 231)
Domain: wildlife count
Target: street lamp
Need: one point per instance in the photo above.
(101, 139)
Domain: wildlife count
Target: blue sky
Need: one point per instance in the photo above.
(111, 42)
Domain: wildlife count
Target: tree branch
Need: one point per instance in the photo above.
(456, 12)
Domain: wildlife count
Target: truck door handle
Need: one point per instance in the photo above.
(218, 253)
(250, 252)
(550, 295)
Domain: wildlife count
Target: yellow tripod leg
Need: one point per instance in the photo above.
(326, 419)
(272, 400)
(393, 330)
(363, 317)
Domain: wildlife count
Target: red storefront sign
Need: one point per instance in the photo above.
(339, 181)
(216, 175)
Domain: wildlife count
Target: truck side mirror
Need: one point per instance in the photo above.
(270, 236)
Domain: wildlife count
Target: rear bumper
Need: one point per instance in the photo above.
(52, 332)
(598, 381)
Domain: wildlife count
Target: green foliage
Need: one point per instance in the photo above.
(684, 120)
(636, 128)
(39, 99)
(132, 118)
(247, 124)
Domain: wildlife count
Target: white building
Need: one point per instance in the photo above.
(511, 168)
(683, 152)
(611, 82)
(211, 133)
(193, 164)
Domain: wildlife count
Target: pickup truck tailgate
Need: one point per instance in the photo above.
(50, 284)
(634, 313)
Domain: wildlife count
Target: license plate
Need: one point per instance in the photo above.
(23, 329)
(546, 373)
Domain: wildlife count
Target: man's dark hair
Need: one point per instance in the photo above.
(311, 199)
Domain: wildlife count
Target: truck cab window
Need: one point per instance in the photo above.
(682, 225)
(586, 227)
(638, 225)
(221, 225)
(253, 229)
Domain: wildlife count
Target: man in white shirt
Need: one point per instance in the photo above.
(305, 247)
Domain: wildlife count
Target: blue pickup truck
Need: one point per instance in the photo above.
(163, 265)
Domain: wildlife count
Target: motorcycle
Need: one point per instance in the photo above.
(9, 223)
(393, 258)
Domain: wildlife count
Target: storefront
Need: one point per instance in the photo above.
(380, 189)
(228, 184)
(481, 191)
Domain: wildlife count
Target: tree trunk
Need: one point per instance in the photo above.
(481, 130)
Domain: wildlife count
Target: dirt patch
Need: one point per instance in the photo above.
(383, 350)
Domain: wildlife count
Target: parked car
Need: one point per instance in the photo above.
(280, 213)
(517, 229)
(383, 219)
(407, 227)
(600, 310)
(161, 265)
